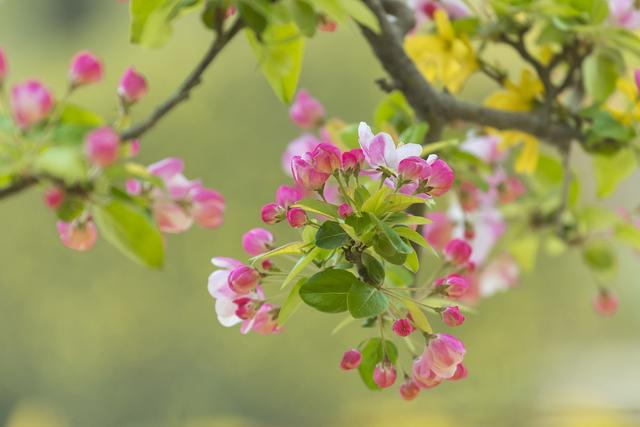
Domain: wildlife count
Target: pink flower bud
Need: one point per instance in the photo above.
(207, 207)
(636, 75)
(306, 175)
(455, 285)
(53, 197)
(296, 217)
(441, 178)
(423, 376)
(402, 327)
(171, 217)
(352, 160)
(31, 102)
(306, 111)
(80, 236)
(4, 67)
(287, 196)
(452, 316)
(438, 232)
(409, 390)
(272, 213)
(457, 251)
(460, 374)
(350, 360)
(246, 308)
(257, 241)
(101, 146)
(605, 303)
(326, 158)
(133, 86)
(414, 168)
(384, 375)
(243, 279)
(85, 68)
(443, 354)
(345, 210)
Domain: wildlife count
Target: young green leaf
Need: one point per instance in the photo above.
(418, 316)
(331, 235)
(318, 207)
(611, 170)
(292, 303)
(300, 265)
(327, 290)
(365, 300)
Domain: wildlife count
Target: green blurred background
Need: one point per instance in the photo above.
(92, 340)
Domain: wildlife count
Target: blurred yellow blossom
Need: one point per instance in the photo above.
(443, 57)
(627, 109)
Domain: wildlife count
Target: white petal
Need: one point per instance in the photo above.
(225, 309)
(408, 150)
(364, 134)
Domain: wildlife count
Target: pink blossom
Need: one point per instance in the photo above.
(331, 193)
(441, 178)
(350, 360)
(457, 251)
(352, 160)
(454, 285)
(402, 327)
(381, 152)
(243, 279)
(170, 216)
(423, 376)
(4, 67)
(510, 189)
(384, 374)
(484, 147)
(132, 87)
(101, 146)
(624, 13)
(246, 308)
(257, 241)
(438, 232)
(272, 213)
(414, 168)
(425, 9)
(31, 102)
(636, 78)
(452, 316)
(345, 210)
(207, 207)
(409, 390)
(605, 303)
(134, 147)
(53, 197)
(326, 158)
(306, 174)
(298, 147)
(306, 111)
(443, 354)
(134, 187)
(287, 196)
(78, 235)
(460, 374)
(85, 68)
(264, 322)
(498, 275)
(296, 217)
(218, 287)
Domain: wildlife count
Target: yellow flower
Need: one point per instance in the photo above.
(443, 57)
(630, 113)
(518, 97)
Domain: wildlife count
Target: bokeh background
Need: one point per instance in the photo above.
(93, 340)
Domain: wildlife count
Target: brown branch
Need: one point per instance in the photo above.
(18, 186)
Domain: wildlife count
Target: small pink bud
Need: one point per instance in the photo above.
(53, 198)
(246, 308)
(352, 160)
(31, 102)
(605, 303)
(4, 67)
(306, 111)
(306, 175)
(207, 207)
(287, 196)
(345, 210)
(133, 86)
(85, 68)
(402, 327)
(267, 264)
(409, 390)
(80, 236)
(452, 316)
(243, 279)
(636, 75)
(455, 285)
(457, 251)
(414, 168)
(257, 241)
(441, 178)
(460, 374)
(326, 158)
(101, 146)
(296, 217)
(272, 213)
(384, 375)
(350, 360)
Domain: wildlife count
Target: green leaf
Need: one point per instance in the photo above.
(292, 303)
(131, 231)
(318, 207)
(71, 208)
(398, 244)
(600, 257)
(373, 270)
(394, 110)
(418, 316)
(300, 265)
(373, 353)
(525, 250)
(327, 290)
(413, 220)
(600, 75)
(415, 134)
(64, 162)
(611, 170)
(629, 234)
(376, 200)
(151, 19)
(279, 52)
(293, 248)
(398, 276)
(361, 13)
(331, 236)
(365, 300)
(412, 262)
(255, 14)
(304, 16)
(412, 236)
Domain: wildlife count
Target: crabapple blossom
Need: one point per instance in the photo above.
(438, 232)
(132, 87)
(306, 174)
(624, 13)
(298, 147)
(605, 303)
(402, 327)
(457, 251)
(257, 241)
(243, 279)
(350, 359)
(440, 179)
(287, 195)
(207, 206)
(85, 68)
(352, 160)
(454, 285)
(265, 321)
(272, 213)
(414, 168)
(345, 210)
(306, 111)
(423, 376)
(381, 152)
(452, 316)
(384, 374)
(53, 197)
(409, 390)
(296, 217)
(460, 374)
(78, 235)
(31, 102)
(101, 146)
(443, 354)
(246, 308)
(326, 158)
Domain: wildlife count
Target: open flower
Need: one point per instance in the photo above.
(78, 235)
(624, 13)
(306, 111)
(257, 241)
(381, 152)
